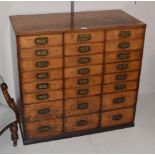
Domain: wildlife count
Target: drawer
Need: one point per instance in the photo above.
(41, 86)
(43, 64)
(41, 76)
(133, 44)
(117, 117)
(118, 100)
(40, 41)
(127, 76)
(43, 129)
(83, 122)
(122, 56)
(122, 86)
(83, 60)
(42, 97)
(83, 105)
(122, 67)
(83, 37)
(125, 33)
(86, 81)
(83, 71)
(83, 91)
(39, 53)
(84, 49)
(43, 111)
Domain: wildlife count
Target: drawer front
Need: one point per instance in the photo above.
(133, 44)
(83, 122)
(40, 41)
(122, 86)
(82, 91)
(125, 33)
(41, 76)
(42, 86)
(84, 49)
(43, 111)
(41, 97)
(38, 53)
(81, 106)
(127, 76)
(121, 67)
(43, 64)
(83, 71)
(122, 56)
(83, 81)
(117, 117)
(43, 129)
(83, 60)
(83, 37)
(118, 100)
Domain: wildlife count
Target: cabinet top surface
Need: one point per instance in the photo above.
(61, 22)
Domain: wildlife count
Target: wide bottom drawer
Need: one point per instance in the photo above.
(117, 117)
(83, 122)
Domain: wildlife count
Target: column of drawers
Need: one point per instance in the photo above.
(40, 64)
(83, 77)
(123, 50)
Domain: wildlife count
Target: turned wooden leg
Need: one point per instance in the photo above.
(14, 133)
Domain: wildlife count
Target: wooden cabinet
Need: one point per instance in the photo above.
(77, 74)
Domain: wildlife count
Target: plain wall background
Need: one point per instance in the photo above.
(141, 10)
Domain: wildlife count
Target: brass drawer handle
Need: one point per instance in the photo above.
(83, 71)
(83, 81)
(42, 96)
(42, 86)
(120, 86)
(118, 100)
(121, 77)
(41, 64)
(42, 52)
(81, 106)
(122, 66)
(82, 91)
(42, 75)
(117, 117)
(84, 37)
(43, 111)
(124, 45)
(83, 49)
(44, 128)
(41, 41)
(123, 56)
(81, 122)
(84, 60)
(125, 34)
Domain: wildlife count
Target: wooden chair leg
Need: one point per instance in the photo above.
(14, 133)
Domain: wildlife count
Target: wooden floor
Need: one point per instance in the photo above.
(139, 139)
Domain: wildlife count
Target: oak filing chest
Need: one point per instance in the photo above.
(78, 74)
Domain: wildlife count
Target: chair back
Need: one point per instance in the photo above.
(2, 99)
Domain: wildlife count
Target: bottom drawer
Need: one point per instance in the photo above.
(83, 122)
(43, 129)
(117, 117)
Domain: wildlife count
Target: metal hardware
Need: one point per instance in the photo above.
(125, 34)
(41, 41)
(83, 81)
(42, 96)
(84, 60)
(42, 86)
(42, 52)
(83, 71)
(123, 56)
(82, 91)
(83, 49)
(82, 106)
(42, 75)
(44, 128)
(124, 45)
(121, 77)
(122, 66)
(118, 100)
(84, 37)
(82, 122)
(41, 64)
(43, 111)
(120, 86)
(117, 117)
